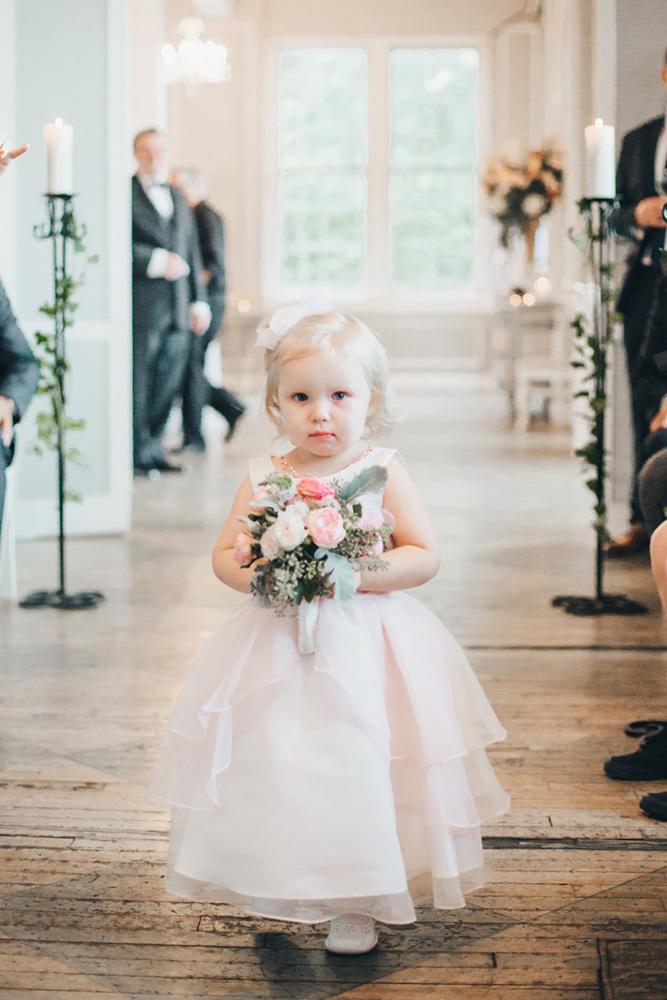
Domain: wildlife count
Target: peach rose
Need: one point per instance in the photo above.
(314, 489)
(242, 548)
(325, 527)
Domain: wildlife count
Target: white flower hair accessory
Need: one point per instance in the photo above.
(272, 330)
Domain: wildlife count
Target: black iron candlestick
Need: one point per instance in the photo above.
(598, 213)
(62, 229)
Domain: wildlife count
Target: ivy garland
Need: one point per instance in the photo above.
(55, 421)
(591, 358)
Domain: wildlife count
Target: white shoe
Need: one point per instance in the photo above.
(351, 934)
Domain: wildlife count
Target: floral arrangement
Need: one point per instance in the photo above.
(307, 538)
(519, 194)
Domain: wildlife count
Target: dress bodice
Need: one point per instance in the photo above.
(263, 466)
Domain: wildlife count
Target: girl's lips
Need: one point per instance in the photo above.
(321, 434)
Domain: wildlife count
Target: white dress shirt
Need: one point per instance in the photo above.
(159, 193)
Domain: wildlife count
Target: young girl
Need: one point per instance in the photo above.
(349, 783)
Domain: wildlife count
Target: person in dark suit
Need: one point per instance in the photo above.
(197, 391)
(19, 375)
(642, 176)
(169, 298)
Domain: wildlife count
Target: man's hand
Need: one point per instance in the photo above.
(200, 318)
(7, 155)
(176, 267)
(648, 213)
(660, 419)
(6, 420)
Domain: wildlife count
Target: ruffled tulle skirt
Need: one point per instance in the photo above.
(353, 779)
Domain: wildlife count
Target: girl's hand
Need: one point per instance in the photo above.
(414, 558)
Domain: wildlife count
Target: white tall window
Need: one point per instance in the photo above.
(433, 166)
(377, 163)
(323, 153)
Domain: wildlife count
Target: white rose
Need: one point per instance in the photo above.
(269, 543)
(289, 529)
(534, 205)
(300, 508)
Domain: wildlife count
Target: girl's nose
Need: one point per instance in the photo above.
(320, 411)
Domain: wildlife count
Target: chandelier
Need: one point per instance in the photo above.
(195, 61)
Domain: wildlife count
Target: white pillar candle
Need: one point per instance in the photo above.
(600, 160)
(58, 139)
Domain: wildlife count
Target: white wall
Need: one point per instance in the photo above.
(92, 95)
(147, 32)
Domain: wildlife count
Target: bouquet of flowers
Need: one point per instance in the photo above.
(520, 193)
(307, 538)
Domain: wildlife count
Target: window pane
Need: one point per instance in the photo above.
(323, 222)
(433, 228)
(433, 166)
(323, 153)
(434, 107)
(323, 112)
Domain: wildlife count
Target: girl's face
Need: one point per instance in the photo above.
(323, 400)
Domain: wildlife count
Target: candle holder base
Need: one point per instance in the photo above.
(605, 604)
(58, 599)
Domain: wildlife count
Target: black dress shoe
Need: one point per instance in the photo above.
(190, 448)
(654, 805)
(231, 424)
(163, 465)
(145, 472)
(648, 763)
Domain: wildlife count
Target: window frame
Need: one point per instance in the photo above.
(379, 291)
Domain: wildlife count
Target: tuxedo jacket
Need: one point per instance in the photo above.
(211, 230)
(19, 368)
(156, 302)
(635, 180)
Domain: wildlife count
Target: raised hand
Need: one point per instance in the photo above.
(7, 155)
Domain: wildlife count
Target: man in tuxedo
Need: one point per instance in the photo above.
(169, 298)
(19, 375)
(197, 390)
(642, 185)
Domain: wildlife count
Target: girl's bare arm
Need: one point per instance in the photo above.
(415, 558)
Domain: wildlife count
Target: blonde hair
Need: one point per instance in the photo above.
(334, 332)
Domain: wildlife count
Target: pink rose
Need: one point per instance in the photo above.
(325, 527)
(371, 516)
(377, 548)
(314, 489)
(242, 548)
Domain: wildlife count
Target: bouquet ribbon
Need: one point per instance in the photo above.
(308, 614)
(345, 579)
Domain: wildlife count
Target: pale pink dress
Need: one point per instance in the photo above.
(353, 779)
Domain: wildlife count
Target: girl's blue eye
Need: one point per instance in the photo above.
(340, 394)
(299, 396)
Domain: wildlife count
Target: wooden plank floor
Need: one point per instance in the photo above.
(576, 906)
